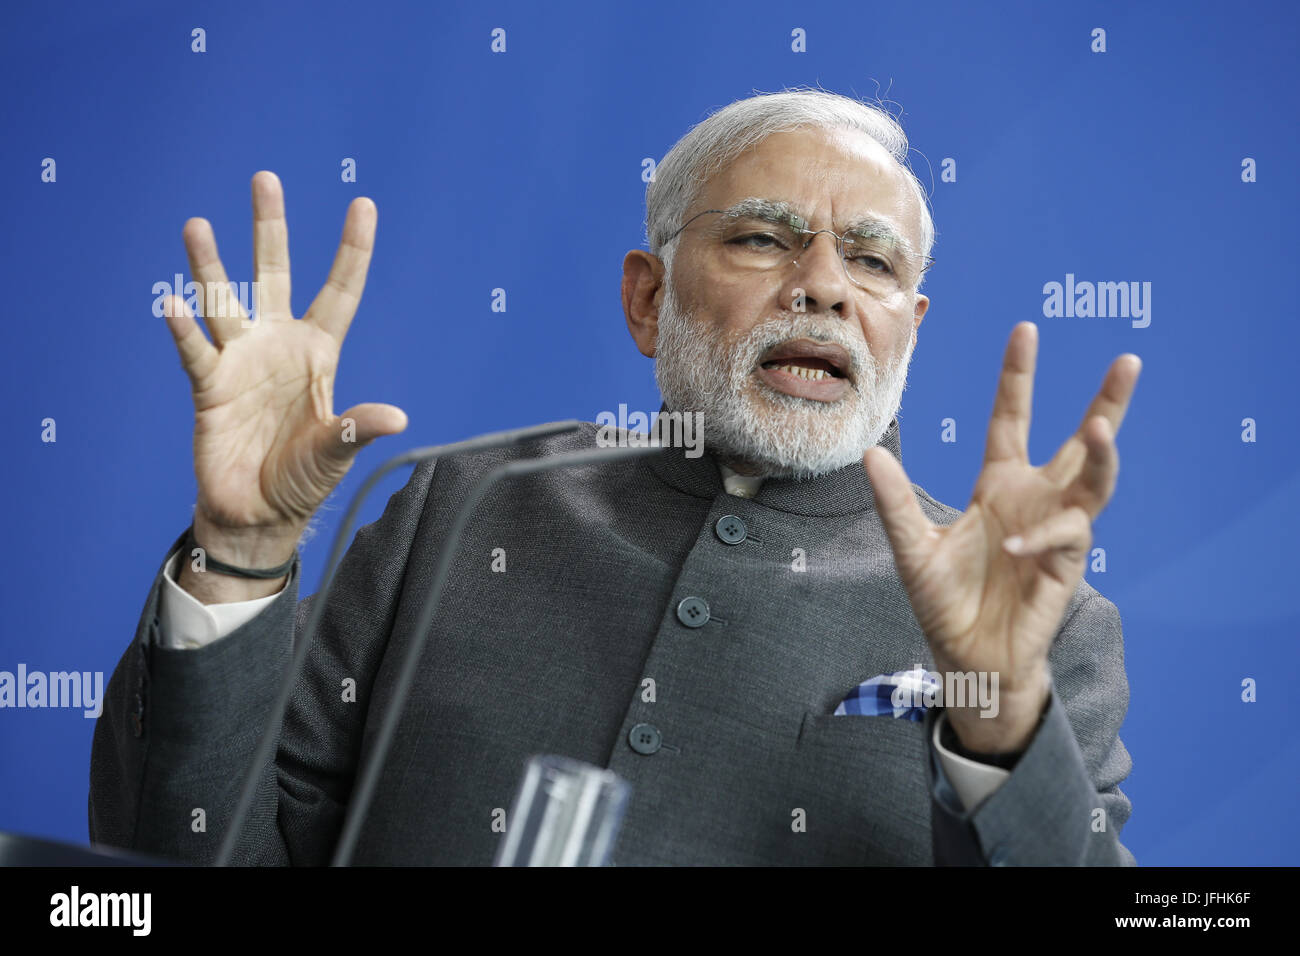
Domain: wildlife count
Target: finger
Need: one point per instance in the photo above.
(1095, 483)
(906, 525)
(1111, 402)
(1008, 438)
(362, 424)
(336, 303)
(1067, 533)
(270, 247)
(198, 355)
(219, 305)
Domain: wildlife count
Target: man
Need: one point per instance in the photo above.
(692, 623)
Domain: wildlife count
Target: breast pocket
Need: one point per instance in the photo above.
(878, 733)
(867, 778)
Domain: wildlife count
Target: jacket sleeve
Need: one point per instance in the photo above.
(1061, 805)
(180, 726)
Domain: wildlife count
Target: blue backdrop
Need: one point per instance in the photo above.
(1127, 165)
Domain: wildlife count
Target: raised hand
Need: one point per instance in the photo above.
(989, 590)
(268, 448)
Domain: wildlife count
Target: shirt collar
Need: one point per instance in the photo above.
(742, 486)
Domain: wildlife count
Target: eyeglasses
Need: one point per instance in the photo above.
(751, 241)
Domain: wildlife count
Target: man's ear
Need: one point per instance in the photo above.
(922, 305)
(643, 276)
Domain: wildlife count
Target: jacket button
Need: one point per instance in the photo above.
(693, 612)
(645, 738)
(730, 529)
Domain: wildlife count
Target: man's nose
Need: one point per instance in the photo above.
(819, 272)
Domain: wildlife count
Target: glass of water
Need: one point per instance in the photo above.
(566, 813)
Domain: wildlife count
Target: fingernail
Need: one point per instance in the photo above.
(1014, 543)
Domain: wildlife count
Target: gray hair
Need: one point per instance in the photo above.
(728, 132)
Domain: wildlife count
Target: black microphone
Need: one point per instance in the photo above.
(368, 779)
(270, 733)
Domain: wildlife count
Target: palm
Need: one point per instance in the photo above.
(267, 445)
(981, 607)
(260, 441)
(967, 585)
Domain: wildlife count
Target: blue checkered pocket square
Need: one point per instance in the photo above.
(900, 695)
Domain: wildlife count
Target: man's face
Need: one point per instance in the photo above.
(781, 391)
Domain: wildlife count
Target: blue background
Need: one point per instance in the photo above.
(1122, 166)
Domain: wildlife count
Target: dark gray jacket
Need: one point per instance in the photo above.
(550, 656)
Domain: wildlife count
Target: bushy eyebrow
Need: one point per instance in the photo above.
(868, 227)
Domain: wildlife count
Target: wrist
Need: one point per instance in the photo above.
(949, 739)
(1010, 732)
(208, 586)
(247, 547)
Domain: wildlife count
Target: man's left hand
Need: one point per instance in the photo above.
(989, 590)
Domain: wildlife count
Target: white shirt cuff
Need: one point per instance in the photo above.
(185, 623)
(973, 781)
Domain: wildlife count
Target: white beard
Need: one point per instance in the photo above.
(744, 420)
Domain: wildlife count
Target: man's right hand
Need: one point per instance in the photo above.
(268, 448)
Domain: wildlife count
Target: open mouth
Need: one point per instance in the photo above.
(809, 360)
(808, 369)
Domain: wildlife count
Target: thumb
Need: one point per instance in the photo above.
(362, 424)
(906, 525)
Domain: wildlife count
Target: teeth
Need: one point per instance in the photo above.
(811, 374)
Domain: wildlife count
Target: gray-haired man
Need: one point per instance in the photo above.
(690, 622)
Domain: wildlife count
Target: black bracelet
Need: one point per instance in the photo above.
(948, 737)
(213, 564)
